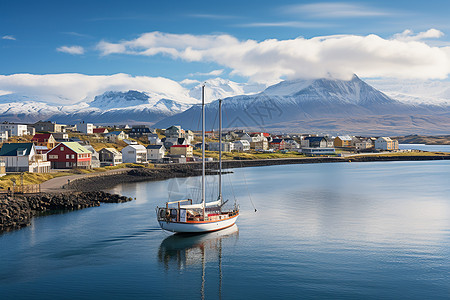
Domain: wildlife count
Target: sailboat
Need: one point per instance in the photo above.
(183, 216)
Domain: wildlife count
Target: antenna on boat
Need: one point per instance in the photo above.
(203, 151)
(220, 153)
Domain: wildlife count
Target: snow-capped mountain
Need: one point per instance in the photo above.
(218, 88)
(297, 100)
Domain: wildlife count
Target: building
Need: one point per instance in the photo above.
(226, 146)
(115, 136)
(14, 129)
(109, 157)
(386, 143)
(314, 142)
(185, 150)
(257, 141)
(343, 141)
(3, 136)
(22, 157)
(134, 154)
(174, 131)
(363, 144)
(139, 130)
(44, 139)
(153, 139)
(87, 128)
(69, 155)
(318, 151)
(48, 126)
(95, 159)
(61, 136)
(278, 144)
(155, 153)
(241, 145)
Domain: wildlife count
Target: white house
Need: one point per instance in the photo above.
(115, 136)
(87, 128)
(110, 157)
(134, 154)
(22, 157)
(226, 146)
(155, 153)
(153, 139)
(14, 129)
(3, 136)
(95, 159)
(386, 143)
(241, 145)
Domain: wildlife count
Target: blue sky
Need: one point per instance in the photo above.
(106, 37)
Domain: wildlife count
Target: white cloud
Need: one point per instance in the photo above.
(334, 10)
(189, 81)
(8, 37)
(408, 35)
(74, 50)
(66, 89)
(271, 60)
(212, 73)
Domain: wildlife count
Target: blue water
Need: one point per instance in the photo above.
(345, 230)
(423, 147)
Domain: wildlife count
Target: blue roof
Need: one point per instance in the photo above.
(11, 149)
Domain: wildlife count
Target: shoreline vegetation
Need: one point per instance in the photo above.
(16, 212)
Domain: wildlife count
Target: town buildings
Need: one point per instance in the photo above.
(109, 157)
(22, 157)
(67, 155)
(134, 154)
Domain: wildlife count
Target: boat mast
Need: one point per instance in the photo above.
(203, 151)
(220, 151)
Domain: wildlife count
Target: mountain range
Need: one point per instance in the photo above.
(319, 105)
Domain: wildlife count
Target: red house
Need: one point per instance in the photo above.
(278, 144)
(68, 155)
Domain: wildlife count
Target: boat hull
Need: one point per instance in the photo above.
(197, 227)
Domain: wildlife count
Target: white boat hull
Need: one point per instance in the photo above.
(197, 227)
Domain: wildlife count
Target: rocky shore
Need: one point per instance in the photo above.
(17, 212)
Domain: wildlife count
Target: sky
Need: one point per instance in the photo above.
(85, 47)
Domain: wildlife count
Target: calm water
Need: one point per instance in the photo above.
(345, 230)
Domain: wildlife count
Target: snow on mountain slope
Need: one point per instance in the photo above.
(218, 88)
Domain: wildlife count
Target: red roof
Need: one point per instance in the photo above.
(181, 146)
(41, 137)
(99, 130)
(265, 134)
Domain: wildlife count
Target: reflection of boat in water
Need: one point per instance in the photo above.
(184, 216)
(191, 250)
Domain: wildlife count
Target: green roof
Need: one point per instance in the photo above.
(76, 147)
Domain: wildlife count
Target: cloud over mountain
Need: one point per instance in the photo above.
(403, 56)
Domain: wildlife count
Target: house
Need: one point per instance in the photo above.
(155, 153)
(241, 145)
(129, 142)
(386, 143)
(44, 139)
(100, 130)
(115, 136)
(48, 126)
(174, 131)
(14, 129)
(278, 144)
(134, 154)
(3, 136)
(185, 150)
(87, 128)
(364, 143)
(22, 157)
(109, 157)
(153, 139)
(61, 136)
(291, 144)
(68, 155)
(257, 141)
(314, 142)
(343, 141)
(226, 146)
(140, 130)
(95, 159)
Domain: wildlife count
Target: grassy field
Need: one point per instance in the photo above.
(37, 178)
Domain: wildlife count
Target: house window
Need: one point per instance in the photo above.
(73, 156)
(67, 156)
(53, 156)
(62, 148)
